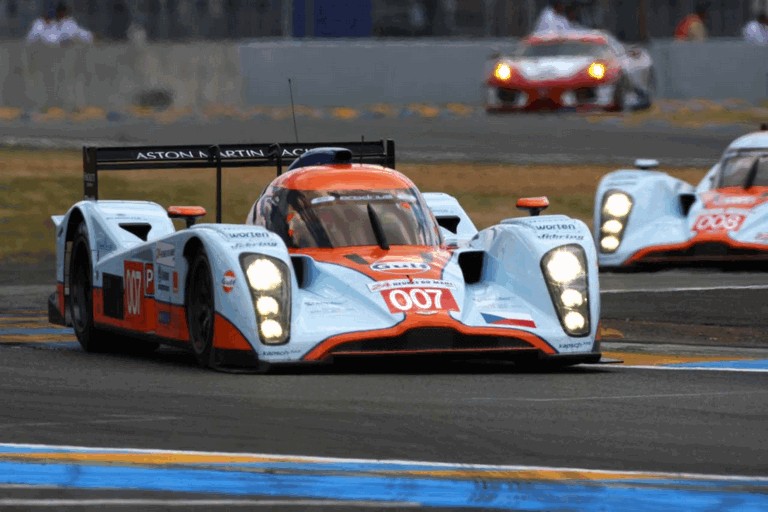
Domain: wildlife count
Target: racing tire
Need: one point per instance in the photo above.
(620, 96)
(81, 295)
(200, 309)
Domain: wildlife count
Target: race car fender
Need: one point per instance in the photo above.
(518, 250)
(658, 205)
(455, 225)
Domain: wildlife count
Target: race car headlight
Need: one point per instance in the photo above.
(617, 204)
(270, 285)
(596, 70)
(565, 271)
(502, 71)
(613, 219)
(564, 266)
(263, 274)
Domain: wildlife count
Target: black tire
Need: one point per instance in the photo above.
(200, 309)
(81, 294)
(620, 96)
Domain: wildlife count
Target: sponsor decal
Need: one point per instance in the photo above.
(325, 307)
(419, 300)
(718, 222)
(163, 280)
(164, 317)
(555, 227)
(239, 235)
(762, 237)
(400, 267)
(194, 155)
(728, 200)
(509, 319)
(228, 281)
(165, 254)
(133, 287)
(366, 197)
(175, 282)
(251, 245)
(149, 279)
(559, 236)
(406, 283)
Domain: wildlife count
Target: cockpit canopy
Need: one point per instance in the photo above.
(737, 169)
(343, 218)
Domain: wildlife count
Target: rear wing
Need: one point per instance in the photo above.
(218, 156)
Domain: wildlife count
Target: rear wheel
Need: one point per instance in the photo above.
(200, 308)
(81, 294)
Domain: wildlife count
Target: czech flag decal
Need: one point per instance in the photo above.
(512, 320)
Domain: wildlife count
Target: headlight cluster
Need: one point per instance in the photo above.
(565, 270)
(613, 220)
(270, 286)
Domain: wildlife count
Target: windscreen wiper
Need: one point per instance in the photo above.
(378, 229)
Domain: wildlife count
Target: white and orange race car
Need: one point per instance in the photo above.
(643, 216)
(581, 70)
(340, 257)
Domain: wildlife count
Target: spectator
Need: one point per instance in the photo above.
(552, 18)
(756, 31)
(44, 29)
(692, 27)
(573, 15)
(68, 29)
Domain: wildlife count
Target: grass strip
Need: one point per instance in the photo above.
(35, 184)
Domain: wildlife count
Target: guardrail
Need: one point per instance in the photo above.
(325, 73)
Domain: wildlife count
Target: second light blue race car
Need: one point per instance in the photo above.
(644, 217)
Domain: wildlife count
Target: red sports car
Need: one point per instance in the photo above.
(572, 70)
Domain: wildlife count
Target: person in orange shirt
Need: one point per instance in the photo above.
(692, 27)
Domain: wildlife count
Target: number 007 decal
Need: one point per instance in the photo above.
(404, 300)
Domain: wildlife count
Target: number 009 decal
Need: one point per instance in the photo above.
(404, 300)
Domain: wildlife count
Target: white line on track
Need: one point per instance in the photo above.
(394, 462)
(197, 503)
(127, 419)
(687, 289)
(613, 397)
(686, 368)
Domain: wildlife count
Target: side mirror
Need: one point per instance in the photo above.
(189, 213)
(646, 163)
(534, 205)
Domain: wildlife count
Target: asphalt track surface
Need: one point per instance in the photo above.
(643, 417)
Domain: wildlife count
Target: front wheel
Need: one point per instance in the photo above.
(81, 294)
(200, 309)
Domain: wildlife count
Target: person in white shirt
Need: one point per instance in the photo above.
(552, 19)
(68, 29)
(756, 31)
(44, 29)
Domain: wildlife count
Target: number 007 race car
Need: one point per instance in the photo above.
(584, 70)
(340, 256)
(646, 217)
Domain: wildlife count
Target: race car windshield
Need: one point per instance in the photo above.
(328, 218)
(563, 48)
(736, 169)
